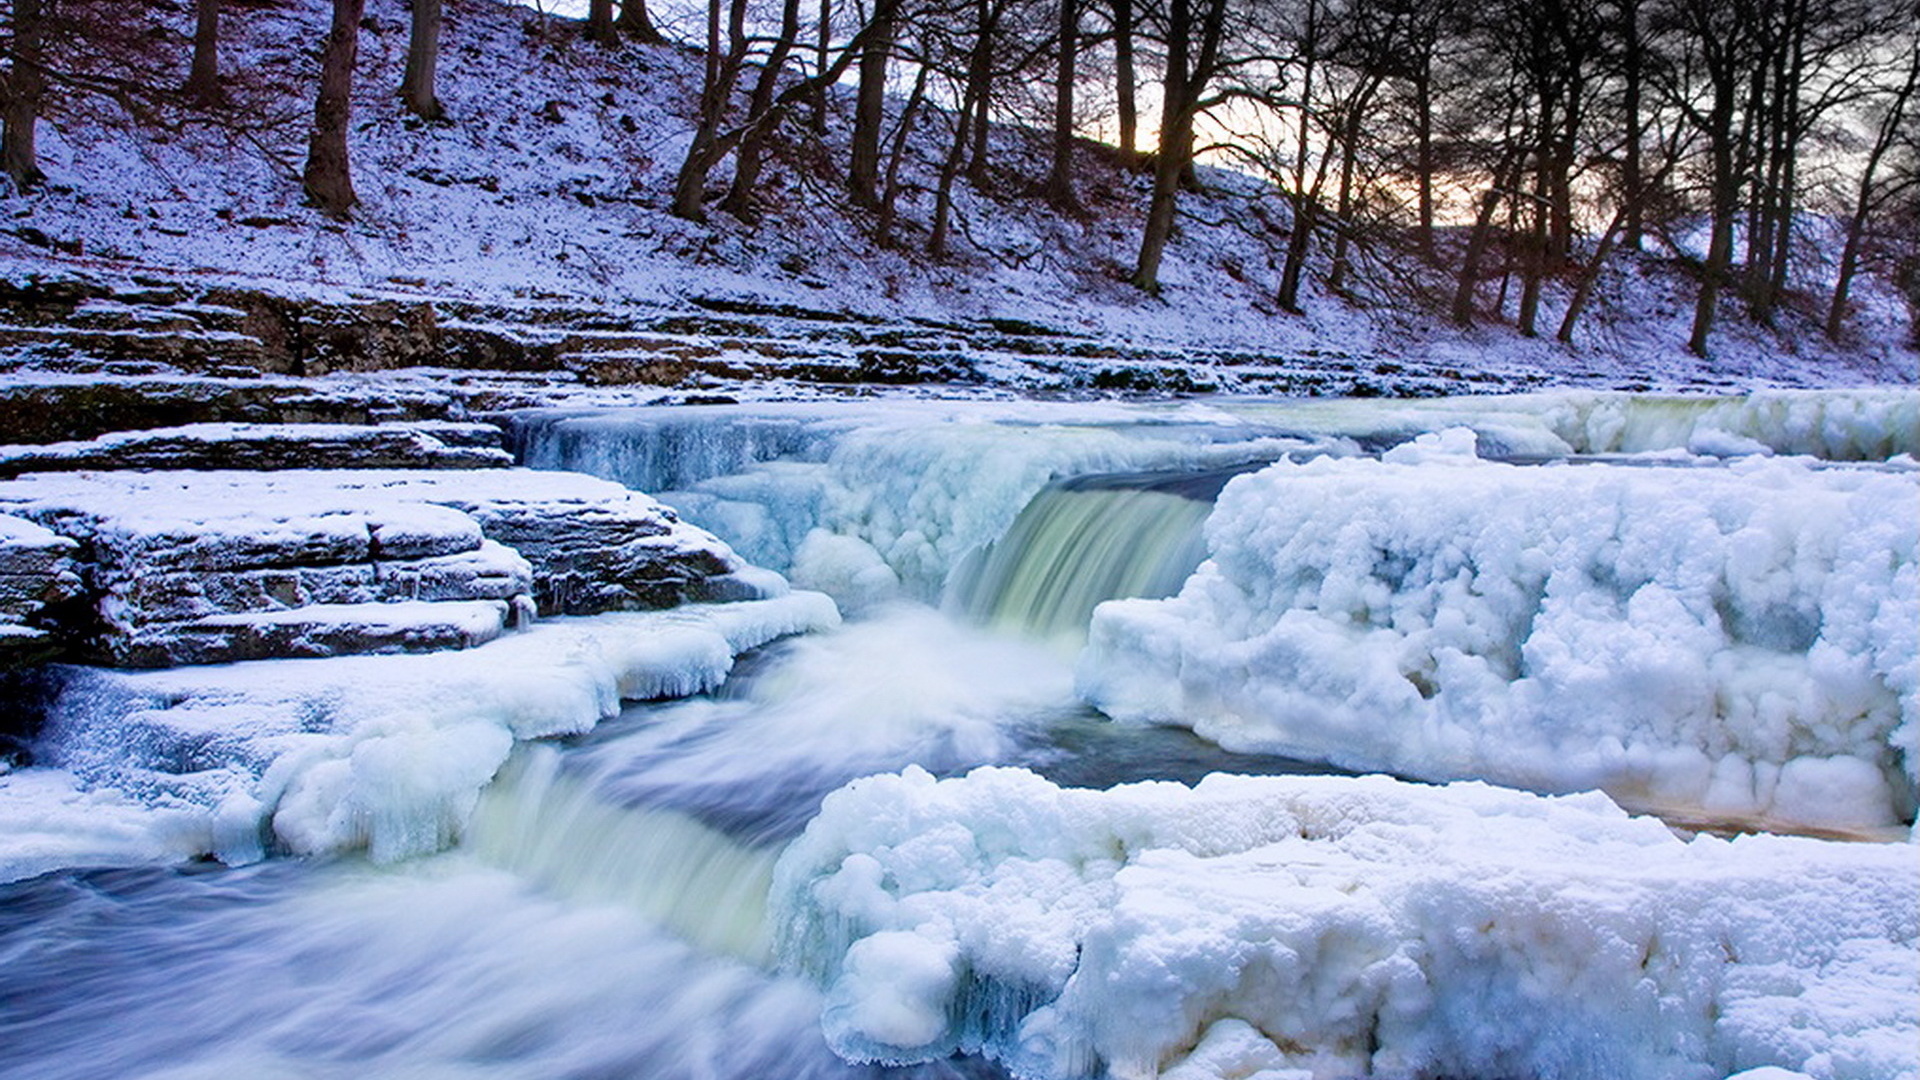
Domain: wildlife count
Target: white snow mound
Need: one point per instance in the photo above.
(1740, 642)
(1333, 926)
(382, 753)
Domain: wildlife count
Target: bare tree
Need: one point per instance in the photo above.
(636, 25)
(1873, 192)
(417, 86)
(1193, 56)
(600, 28)
(203, 76)
(1125, 86)
(1067, 50)
(746, 166)
(328, 179)
(25, 86)
(863, 174)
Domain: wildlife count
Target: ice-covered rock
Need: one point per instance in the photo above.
(198, 567)
(1736, 642)
(418, 445)
(36, 570)
(1320, 926)
(385, 753)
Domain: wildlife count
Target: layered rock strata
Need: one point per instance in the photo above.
(209, 567)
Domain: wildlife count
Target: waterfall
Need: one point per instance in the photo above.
(1084, 541)
(556, 830)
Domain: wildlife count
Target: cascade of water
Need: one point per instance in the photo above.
(656, 451)
(1085, 541)
(694, 880)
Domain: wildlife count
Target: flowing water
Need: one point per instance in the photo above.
(604, 915)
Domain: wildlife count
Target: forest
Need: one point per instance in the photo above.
(1430, 147)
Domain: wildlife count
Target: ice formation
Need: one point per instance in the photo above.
(1317, 926)
(920, 485)
(1740, 642)
(385, 753)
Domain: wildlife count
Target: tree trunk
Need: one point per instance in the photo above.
(1294, 270)
(863, 173)
(1539, 244)
(1187, 72)
(1356, 114)
(760, 114)
(1175, 141)
(1634, 196)
(890, 192)
(328, 180)
(1060, 177)
(1126, 104)
(1725, 202)
(600, 29)
(1424, 156)
(980, 83)
(636, 25)
(1590, 276)
(25, 85)
(949, 172)
(724, 57)
(417, 88)
(1478, 241)
(1787, 157)
(822, 44)
(203, 78)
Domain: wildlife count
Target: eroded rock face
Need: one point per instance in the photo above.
(429, 444)
(210, 567)
(36, 575)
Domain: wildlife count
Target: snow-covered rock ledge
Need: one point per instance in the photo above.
(385, 753)
(208, 567)
(1738, 642)
(1299, 927)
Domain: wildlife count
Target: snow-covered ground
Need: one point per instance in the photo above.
(516, 200)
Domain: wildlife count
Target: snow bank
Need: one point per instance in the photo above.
(386, 753)
(1318, 926)
(1837, 425)
(1740, 642)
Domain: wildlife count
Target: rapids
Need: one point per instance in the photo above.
(605, 910)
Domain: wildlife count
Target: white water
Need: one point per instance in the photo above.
(603, 911)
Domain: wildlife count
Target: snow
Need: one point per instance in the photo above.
(1293, 927)
(382, 753)
(1737, 641)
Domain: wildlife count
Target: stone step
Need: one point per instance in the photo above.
(445, 445)
(318, 630)
(190, 350)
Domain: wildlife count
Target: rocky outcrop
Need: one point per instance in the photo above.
(47, 406)
(415, 445)
(185, 568)
(36, 576)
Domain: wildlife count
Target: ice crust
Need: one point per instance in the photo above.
(385, 753)
(1295, 927)
(1740, 642)
(919, 485)
(924, 484)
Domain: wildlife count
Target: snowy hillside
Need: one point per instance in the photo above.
(551, 178)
